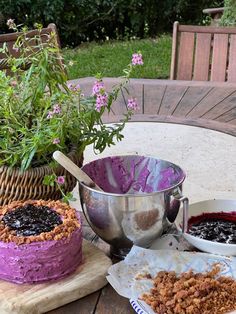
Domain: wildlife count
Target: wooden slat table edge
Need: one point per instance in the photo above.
(157, 82)
(203, 123)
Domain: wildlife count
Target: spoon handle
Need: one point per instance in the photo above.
(71, 167)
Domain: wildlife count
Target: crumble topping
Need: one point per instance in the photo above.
(68, 215)
(192, 293)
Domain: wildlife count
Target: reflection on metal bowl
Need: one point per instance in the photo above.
(140, 199)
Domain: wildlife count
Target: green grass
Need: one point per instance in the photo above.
(111, 57)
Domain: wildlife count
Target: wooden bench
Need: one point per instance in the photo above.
(10, 39)
(203, 53)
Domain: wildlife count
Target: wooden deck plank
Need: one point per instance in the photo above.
(171, 99)
(185, 56)
(86, 85)
(228, 116)
(232, 59)
(157, 82)
(203, 123)
(153, 96)
(219, 57)
(202, 57)
(119, 106)
(85, 305)
(111, 302)
(174, 51)
(134, 91)
(212, 99)
(227, 104)
(233, 122)
(190, 99)
(207, 29)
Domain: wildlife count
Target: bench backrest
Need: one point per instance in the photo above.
(203, 53)
(10, 39)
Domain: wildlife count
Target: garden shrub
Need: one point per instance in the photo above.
(229, 16)
(87, 20)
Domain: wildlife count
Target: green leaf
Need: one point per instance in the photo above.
(68, 197)
(27, 159)
(49, 180)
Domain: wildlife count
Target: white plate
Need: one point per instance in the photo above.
(138, 306)
(205, 207)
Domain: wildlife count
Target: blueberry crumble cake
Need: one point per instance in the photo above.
(39, 241)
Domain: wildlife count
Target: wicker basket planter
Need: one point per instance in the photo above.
(15, 185)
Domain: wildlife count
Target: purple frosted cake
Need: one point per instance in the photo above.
(39, 241)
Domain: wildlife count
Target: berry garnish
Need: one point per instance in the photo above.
(30, 220)
(216, 227)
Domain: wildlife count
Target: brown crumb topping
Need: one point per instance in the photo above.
(69, 222)
(192, 293)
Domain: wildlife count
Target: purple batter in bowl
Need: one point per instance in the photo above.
(139, 201)
(134, 174)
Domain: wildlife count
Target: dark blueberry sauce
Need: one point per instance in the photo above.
(217, 227)
(32, 220)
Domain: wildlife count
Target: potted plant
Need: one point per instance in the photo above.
(40, 113)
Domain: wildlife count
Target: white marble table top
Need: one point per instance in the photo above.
(208, 157)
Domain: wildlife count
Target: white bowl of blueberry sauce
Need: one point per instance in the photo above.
(211, 226)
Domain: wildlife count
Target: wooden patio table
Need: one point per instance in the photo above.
(204, 104)
(209, 105)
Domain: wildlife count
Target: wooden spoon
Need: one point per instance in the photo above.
(71, 167)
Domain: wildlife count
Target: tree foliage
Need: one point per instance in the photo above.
(229, 16)
(87, 20)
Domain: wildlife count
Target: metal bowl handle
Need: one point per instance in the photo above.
(179, 196)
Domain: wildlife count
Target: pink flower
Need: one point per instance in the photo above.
(101, 101)
(137, 59)
(60, 180)
(77, 87)
(11, 24)
(13, 83)
(132, 104)
(16, 49)
(70, 85)
(98, 87)
(73, 87)
(50, 115)
(56, 141)
(56, 109)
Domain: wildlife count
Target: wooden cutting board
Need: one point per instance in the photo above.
(40, 298)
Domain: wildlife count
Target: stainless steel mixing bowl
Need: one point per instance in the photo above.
(141, 199)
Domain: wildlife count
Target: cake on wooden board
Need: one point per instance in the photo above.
(39, 241)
